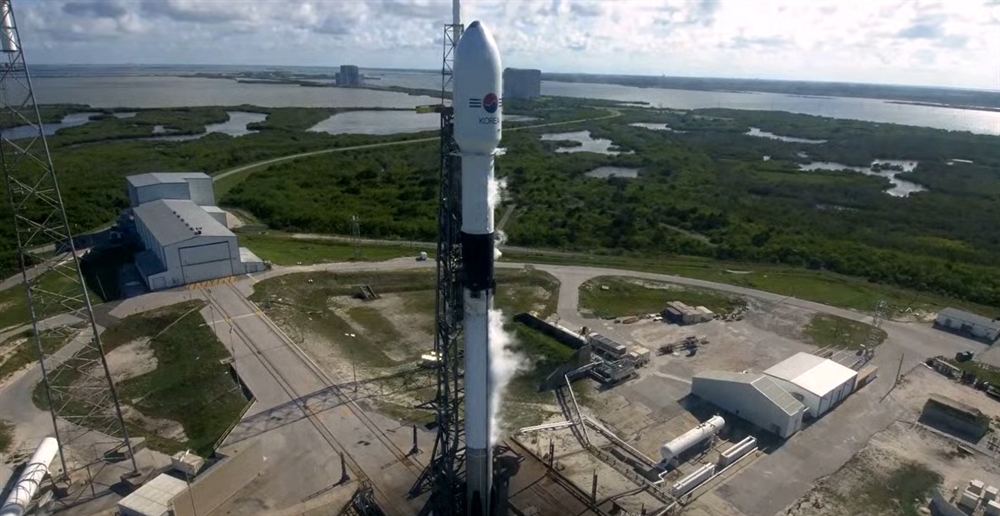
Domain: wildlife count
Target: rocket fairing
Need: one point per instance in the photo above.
(478, 119)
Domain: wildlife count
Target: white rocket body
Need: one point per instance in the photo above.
(478, 117)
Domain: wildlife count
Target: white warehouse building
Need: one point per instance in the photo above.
(973, 325)
(817, 382)
(184, 241)
(754, 397)
(191, 186)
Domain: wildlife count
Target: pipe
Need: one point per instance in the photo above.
(31, 478)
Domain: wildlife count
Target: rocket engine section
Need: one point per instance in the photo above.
(478, 121)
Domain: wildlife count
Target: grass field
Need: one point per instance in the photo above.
(13, 303)
(614, 296)
(282, 249)
(984, 372)
(189, 384)
(902, 492)
(26, 352)
(831, 330)
(819, 286)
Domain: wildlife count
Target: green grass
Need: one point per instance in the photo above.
(982, 371)
(625, 296)
(831, 330)
(26, 352)
(300, 304)
(284, 250)
(902, 493)
(189, 385)
(6, 436)
(819, 286)
(543, 354)
(13, 303)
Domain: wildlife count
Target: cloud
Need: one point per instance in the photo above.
(97, 9)
(198, 11)
(912, 41)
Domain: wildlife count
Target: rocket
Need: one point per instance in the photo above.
(478, 118)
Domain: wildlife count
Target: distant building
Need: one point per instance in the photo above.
(520, 83)
(183, 234)
(348, 76)
(968, 324)
(819, 383)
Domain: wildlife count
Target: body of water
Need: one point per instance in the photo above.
(160, 92)
(900, 188)
(235, 126)
(168, 91)
(588, 143)
(27, 131)
(764, 134)
(606, 172)
(871, 110)
(657, 127)
(378, 122)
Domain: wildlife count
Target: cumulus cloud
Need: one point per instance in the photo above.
(918, 41)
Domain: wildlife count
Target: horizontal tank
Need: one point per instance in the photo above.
(27, 484)
(686, 484)
(692, 437)
(737, 451)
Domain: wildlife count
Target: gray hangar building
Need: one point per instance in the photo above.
(184, 236)
(754, 397)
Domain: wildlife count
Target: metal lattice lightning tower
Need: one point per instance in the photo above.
(444, 476)
(877, 318)
(78, 388)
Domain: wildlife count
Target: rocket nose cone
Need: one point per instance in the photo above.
(477, 39)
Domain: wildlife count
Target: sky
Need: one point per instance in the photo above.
(952, 43)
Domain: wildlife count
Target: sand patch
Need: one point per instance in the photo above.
(130, 360)
(167, 428)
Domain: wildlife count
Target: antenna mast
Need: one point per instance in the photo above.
(78, 390)
(445, 475)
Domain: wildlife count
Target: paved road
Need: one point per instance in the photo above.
(302, 456)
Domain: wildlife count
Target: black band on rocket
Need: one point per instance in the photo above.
(477, 261)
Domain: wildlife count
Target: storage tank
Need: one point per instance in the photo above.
(692, 437)
(27, 484)
(737, 451)
(693, 480)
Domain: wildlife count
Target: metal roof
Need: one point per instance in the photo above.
(176, 220)
(155, 178)
(961, 315)
(766, 386)
(815, 374)
(153, 498)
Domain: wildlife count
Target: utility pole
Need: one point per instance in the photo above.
(356, 236)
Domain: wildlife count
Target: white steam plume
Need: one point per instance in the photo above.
(495, 191)
(495, 194)
(504, 363)
(499, 239)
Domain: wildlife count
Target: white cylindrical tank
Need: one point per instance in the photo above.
(693, 480)
(27, 484)
(692, 437)
(478, 85)
(738, 450)
(9, 43)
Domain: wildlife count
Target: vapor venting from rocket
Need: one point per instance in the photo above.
(497, 189)
(504, 363)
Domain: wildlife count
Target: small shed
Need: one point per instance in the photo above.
(153, 498)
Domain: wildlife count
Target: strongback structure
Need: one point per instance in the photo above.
(444, 477)
(78, 390)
